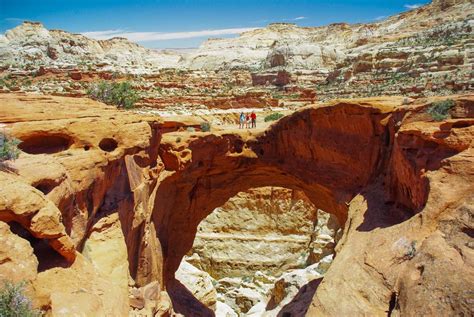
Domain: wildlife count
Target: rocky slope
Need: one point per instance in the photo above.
(280, 44)
(420, 53)
(321, 48)
(31, 45)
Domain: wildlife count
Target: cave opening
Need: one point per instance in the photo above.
(45, 144)
(47, 257)
(263, 251)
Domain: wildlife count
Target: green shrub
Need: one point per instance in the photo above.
(439, 110)
(122, 95)
(273, 116)
(13, 303)
(8, 148)
(205, 127)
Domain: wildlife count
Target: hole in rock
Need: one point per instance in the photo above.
(45, 144)
(47, 257)
(462, 124)
(238, 146)
(264, 251)
(392, 304)
(468, 231)
(46, 186)
(87, 147)
(108, 145)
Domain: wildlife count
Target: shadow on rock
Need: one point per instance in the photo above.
(300, 303)
(184, 301)
(381, 213)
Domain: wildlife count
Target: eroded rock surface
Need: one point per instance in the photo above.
(400, 182)
(385, 157)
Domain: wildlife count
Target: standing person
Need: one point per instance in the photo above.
(247, 120)
(253, 116)
(241, 120)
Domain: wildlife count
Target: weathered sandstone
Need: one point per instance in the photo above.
(399, 182)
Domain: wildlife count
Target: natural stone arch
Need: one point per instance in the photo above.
(331, 153)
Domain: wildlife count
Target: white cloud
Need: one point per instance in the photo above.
(295, 19)
(160, 36)
(380, 18)
(412, 6)
(101, 35)
(15, 20)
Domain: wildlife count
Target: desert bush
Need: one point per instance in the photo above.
(122, 95)
(205, 126)
(8, 148)
(13, 303)
(273, 116)
(439, 110)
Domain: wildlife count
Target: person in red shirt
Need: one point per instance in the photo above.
(253, 116)
(247, 121)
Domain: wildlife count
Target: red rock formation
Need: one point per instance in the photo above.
(81, 170)
(280, 78)
(339, 155)
(400, 183)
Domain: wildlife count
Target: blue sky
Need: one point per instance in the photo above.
(181, 23)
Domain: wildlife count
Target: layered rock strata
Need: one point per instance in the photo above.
(266, 229)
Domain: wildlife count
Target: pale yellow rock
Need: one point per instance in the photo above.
(17, 261)
(106, 250)
(199, 283)
(28, 206)
(57, 289)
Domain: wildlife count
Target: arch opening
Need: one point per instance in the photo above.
(47, 257)
(322, 152)
(257, 251)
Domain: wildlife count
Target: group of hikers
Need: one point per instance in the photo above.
(247, 121)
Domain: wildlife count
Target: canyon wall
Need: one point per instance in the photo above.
(266, 229)
(260, 247)
(423, 52)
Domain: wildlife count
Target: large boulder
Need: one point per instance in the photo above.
(198, 282)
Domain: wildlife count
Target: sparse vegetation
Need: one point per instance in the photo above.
(8, 148)
(122, 95)
(205, 127)
(439, 110)
(13, 303)
(273, 116)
